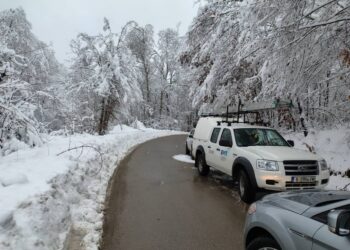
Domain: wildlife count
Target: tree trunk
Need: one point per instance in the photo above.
(106, 114)
(161, 104)
(100, 125)
(147, 87)
(302, 120)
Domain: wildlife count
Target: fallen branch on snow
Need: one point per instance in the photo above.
(82, 148)
(310, 148)
(346, 187)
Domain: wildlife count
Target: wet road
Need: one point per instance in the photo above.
(157, 202)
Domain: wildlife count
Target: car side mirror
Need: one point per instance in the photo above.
(339, 222)
(291, 143)
(226, 143)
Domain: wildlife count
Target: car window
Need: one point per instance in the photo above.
(215, 135)
(192, 132)
(323, 217)
(226, 136)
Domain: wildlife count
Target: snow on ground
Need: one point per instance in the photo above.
(184, 158)
(334, 146)
(43, 196)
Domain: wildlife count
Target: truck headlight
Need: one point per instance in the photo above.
(323, 165)
(267, 165)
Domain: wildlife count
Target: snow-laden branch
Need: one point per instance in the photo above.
(319, 7)
(324, 23)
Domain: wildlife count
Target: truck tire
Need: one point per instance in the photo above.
(263, 242)
(191, 152)
(245, 187)
(203, 168)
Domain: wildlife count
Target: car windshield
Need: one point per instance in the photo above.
(258, 137)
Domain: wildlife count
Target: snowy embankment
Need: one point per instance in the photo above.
(44, 195)
(334, 146)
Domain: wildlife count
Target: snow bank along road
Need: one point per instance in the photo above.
(51, 201)
(156, 202)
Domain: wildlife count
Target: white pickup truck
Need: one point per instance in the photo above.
(257, 157)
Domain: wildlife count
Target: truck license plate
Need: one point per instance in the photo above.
(303, 178)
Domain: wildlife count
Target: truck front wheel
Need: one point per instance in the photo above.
(203, 168)
(245, 188)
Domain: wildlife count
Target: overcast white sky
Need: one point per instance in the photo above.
(59, 21)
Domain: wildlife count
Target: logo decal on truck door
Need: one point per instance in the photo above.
(224, 152)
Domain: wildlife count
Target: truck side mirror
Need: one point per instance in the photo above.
(339, 222)
(291, 143)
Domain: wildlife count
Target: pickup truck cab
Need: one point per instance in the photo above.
(257, 157)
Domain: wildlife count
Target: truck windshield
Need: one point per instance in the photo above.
(246, 137)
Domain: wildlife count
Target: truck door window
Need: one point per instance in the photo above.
(215, 135)
(226, 136)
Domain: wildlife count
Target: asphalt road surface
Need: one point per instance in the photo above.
(156, 202)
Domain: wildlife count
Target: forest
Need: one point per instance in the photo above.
(234, 50)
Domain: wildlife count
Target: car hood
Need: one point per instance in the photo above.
(281, 200)
(277, 153)
(300, 201)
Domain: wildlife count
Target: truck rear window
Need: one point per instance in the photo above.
(215, 135)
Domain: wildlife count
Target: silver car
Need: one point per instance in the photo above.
(299, 220)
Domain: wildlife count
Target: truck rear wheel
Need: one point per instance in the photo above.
(245, 188)
(203, 168)
(187, 150)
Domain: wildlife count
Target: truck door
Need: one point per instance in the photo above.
(224, 152)
(212, 146)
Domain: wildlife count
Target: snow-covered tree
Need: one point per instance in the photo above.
(140, 41)
(27, 67)
(103, 79)
(171, 96)
(258, 50)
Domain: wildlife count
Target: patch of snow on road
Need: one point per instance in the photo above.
(44, 195)
(183, 158)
